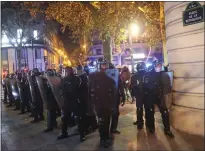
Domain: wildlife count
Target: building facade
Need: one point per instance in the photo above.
(140, 52)
(34, 54)
(185, 45)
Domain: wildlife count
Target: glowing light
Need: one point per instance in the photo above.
(35, 34)
(139, 56)
(134, 29)
(84, 46)
(19, 33)
(148, 65)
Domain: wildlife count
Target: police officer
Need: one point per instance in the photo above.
(51, 103)
(92, 121)
(154, 94)
(70, 92)
(104, 98)
(83, 99)
(5, 89)
(58, 111)
(137, 91)
(120, 100)
(23, 92)
(36, 97)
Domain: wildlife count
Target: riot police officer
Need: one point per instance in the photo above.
(92, 121)
(70, 92)
(50, 102)
(23, 92)
(5, 89)
(104, 98)
(15, 93)
(136, 87)
(120, 100)
(36, 97)
(154, 94)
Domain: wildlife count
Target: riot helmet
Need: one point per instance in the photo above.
(50, 72)
(35, 72)
(157, 66)
(11, 75)
(111, 66)
(141, 66)
(68, 71)
(18, 75)
(79, 70)
(86, 69)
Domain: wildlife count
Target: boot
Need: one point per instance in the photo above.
(41, 117)
(48, 130)
(64, 133)
(139, 121)
(165, 119)
(114, 125)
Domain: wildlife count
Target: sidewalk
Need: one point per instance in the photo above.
(18, 134)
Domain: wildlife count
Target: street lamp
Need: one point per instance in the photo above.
(134, 30)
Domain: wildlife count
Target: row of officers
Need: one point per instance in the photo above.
(89, 100)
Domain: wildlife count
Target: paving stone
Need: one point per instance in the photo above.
(19, 134)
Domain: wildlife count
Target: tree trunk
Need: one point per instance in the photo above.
(162, 29)
(18, 50)
(107, 50)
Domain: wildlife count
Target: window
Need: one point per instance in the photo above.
(35, 34)
(38, 53)
(4, 54)
(98, 52)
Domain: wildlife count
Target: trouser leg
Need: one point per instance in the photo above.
(40, 110)
(82, 127)
(140, 121)
(64, 124)
(165, 119)
(149, 116)
(22, 106)
(5, 95)
(114, 121)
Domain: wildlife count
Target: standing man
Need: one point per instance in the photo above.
(70, 92)
(36, 96)
(120, 100)
(23, 92)
(155, 87)
(137, 91)
(104, 98)
(4, 88)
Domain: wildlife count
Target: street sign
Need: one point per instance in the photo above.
(194, 13)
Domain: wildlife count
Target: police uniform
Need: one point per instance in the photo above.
(5, 90)
(116, 113)
(154, 94)
(37, 101)
(70, 92)
(23, 92)
(137, 91)
(104, 99)
(50, 102)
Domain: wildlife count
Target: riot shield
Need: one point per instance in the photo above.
(103, 93)
(43, 90)
(166, 83)
(31, 87)
(55, 83)
(14, 89)
(20, 89)
(114, 74)
(8, 86)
